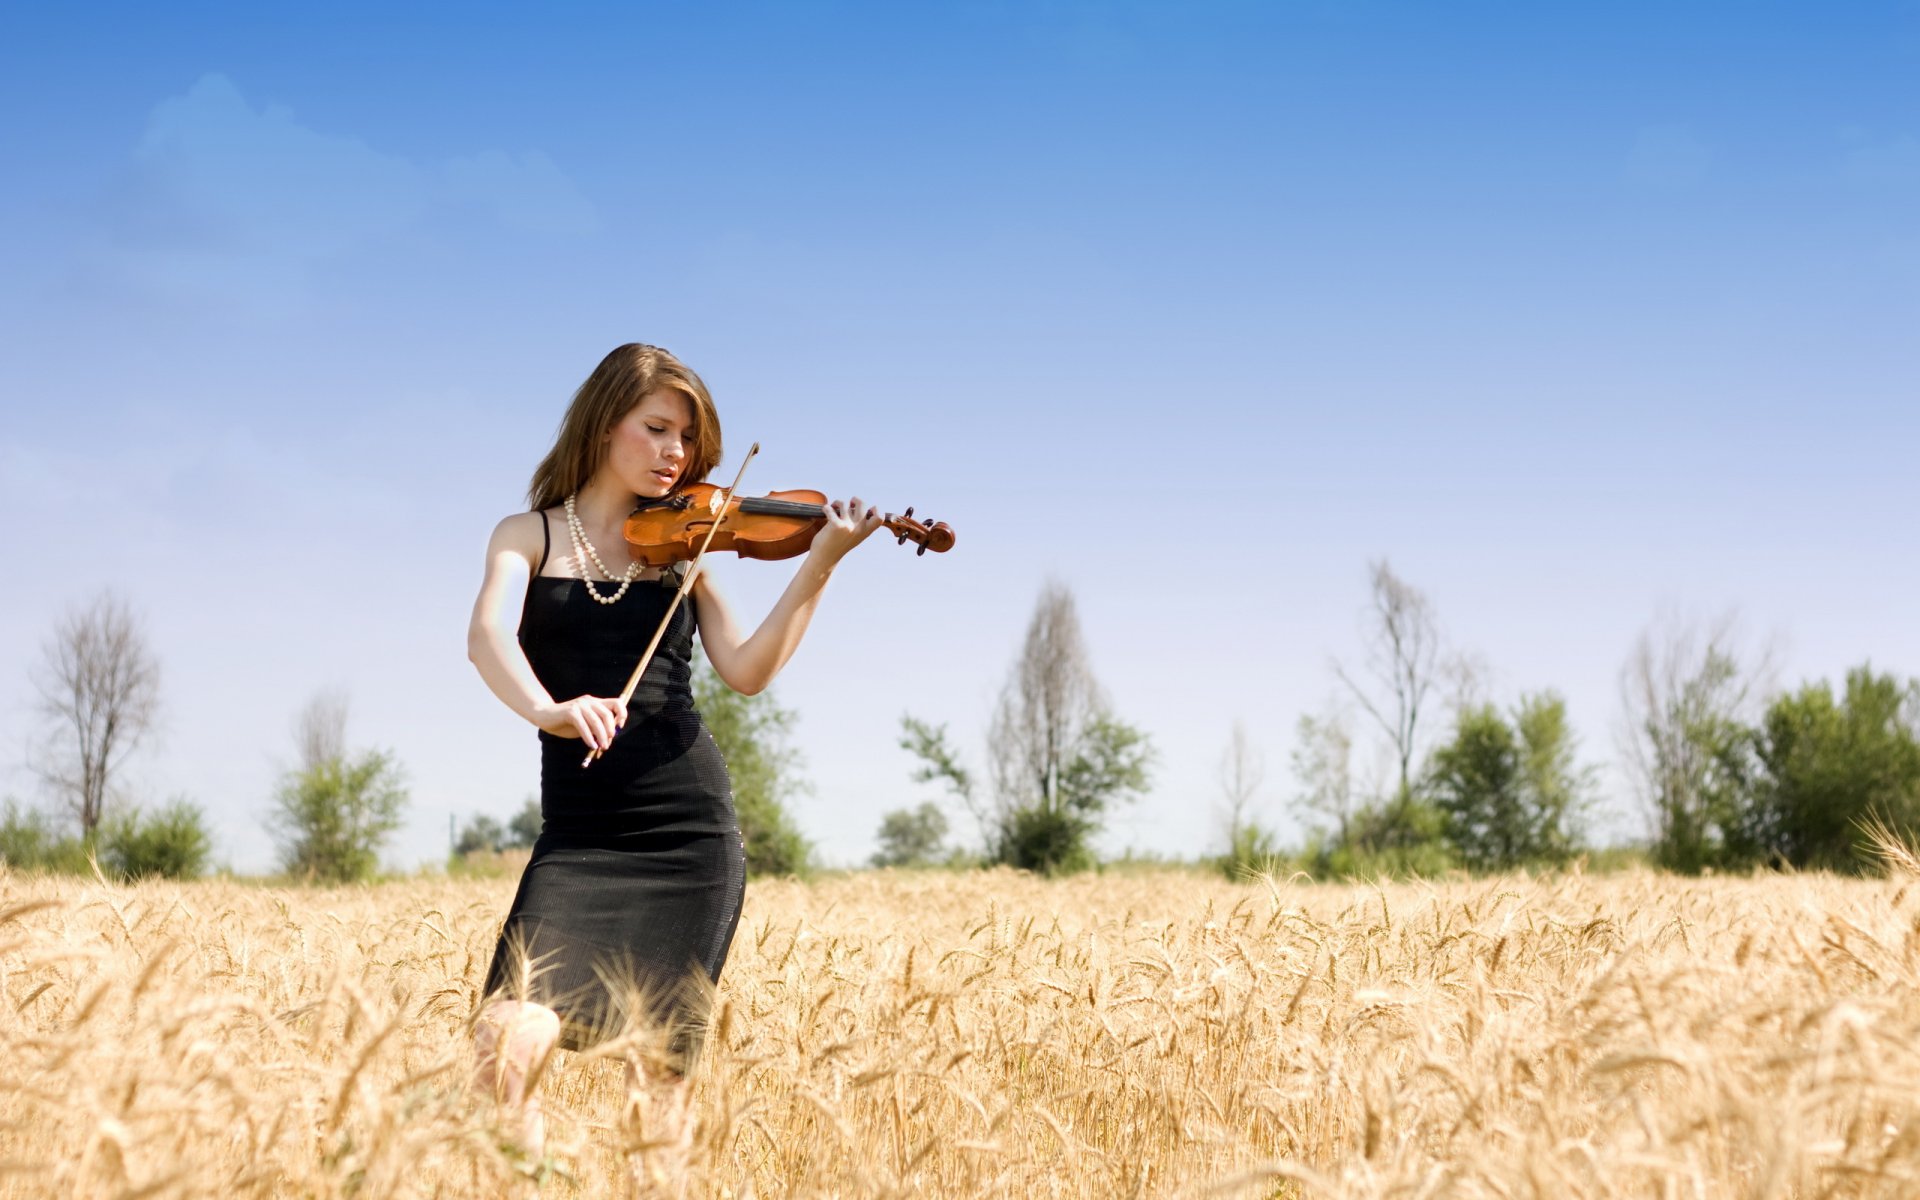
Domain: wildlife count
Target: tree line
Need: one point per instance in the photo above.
(1410, 767)
(99, 688)
(1731, 773)
(335, 808)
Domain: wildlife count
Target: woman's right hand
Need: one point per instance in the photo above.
(595, 719)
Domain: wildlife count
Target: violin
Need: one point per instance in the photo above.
(778, 525)
(701, 517)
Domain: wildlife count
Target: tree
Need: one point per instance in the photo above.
(1058, 756)
(1242, 770)
(911, 837)
(481, 834)
(1376, 831)
(1475, 782)
(1832, 769)
(523, 830)
(333, 812)
(1689, 742)
(99, 686)
(1511, 794)
(939, 761)
(752, 733)
(1557, 790)
(1323, 762)
(1404, 660)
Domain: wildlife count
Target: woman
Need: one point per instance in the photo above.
(630, 900)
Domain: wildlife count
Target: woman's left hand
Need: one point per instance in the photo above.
(849, 522)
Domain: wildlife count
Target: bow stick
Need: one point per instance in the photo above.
(686, 582)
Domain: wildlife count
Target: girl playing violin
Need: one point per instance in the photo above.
(625, 911)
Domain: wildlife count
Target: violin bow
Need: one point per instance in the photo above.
(686, 583)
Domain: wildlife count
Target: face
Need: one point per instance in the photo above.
(647, 449)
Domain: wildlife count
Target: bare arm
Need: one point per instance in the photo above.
(493, 642)
(748, 665)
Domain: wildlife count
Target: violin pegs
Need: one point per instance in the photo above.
(922, 550)
(908, 515)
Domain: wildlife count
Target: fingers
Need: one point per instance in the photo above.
(857, 512)
(586, 720)
(599, 719)
(849, 522)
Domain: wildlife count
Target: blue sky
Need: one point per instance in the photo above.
(1574, 316)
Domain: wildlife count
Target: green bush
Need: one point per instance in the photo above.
(172, 843)
(911, 837)
(32, 841)
(1253, 851)
(1393, 839)
(752, 733)
(332, 818)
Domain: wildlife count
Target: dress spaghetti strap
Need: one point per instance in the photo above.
(546, 542)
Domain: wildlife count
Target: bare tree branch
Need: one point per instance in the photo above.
(320, 729)
(1323, 761)
(1404, 663)
(1686, 688)
(1045, 706)
(1242, 770)
(99, 687)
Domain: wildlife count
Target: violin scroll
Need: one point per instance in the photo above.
(936, 536)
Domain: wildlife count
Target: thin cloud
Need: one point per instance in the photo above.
(231, 202)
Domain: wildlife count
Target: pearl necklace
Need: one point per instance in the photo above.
(583, 550)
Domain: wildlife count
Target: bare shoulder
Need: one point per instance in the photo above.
(522, 533)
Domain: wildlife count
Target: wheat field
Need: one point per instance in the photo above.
(990, 1034)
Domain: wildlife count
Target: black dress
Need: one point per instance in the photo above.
(633, 892)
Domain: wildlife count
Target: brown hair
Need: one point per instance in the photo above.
(610, 393)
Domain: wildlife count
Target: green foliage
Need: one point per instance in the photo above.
(911, 837)
(484, 836)
(330, 819)
(172, 843)
(1251, 850)
(33, 841)
(1396, 838)
(752, 733)
(1111, 766)
(1510, 794)
(1831, 767)
(1704, 771)
(939, 761)
(481, 834)
(1475, 782)
(1051, 841)
(1556, 788)
(523, 830)
(1054, 836)
(488, 849)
